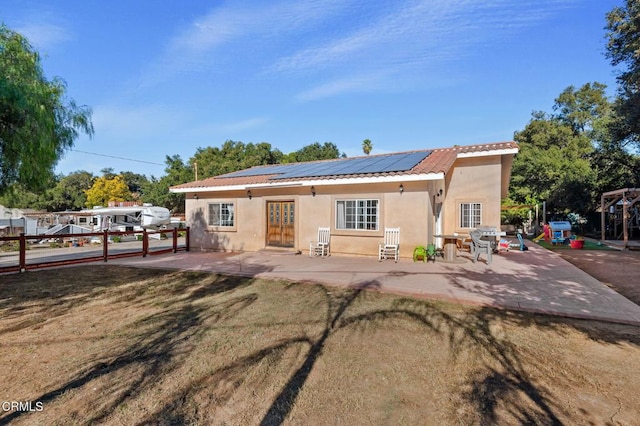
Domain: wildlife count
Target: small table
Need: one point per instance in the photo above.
(451, 247)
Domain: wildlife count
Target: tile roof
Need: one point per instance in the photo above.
(440, 160)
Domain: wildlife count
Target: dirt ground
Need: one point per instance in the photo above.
(115, 345)
(620, 270)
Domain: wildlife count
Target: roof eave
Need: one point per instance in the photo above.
(316, 182)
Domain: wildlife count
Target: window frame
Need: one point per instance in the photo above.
(473, 211)
(358, 214)
(229, 222)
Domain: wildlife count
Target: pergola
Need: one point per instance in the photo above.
(628, 197)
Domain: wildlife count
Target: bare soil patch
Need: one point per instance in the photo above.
(619, 270)
(108, 344)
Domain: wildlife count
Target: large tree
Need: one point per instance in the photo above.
(555, 162)
(104, 190)
(156, 191)
(70, 193)
(623, 45)
(37, 120)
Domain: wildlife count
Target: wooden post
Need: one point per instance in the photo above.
(175, 240)
(105, 244)
(602, 220)
(625, 232)
(23, 252)
(145, 243)
(187, 238)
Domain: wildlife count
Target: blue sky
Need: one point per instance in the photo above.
(165, 78)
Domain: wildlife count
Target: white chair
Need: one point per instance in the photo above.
(390, 247)
(321, 246)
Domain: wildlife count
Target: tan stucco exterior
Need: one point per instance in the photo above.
(477, 179)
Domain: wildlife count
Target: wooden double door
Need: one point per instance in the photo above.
(281, 223)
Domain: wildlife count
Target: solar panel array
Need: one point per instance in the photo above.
(350, 166)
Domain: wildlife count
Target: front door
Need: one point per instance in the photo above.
(280, 223)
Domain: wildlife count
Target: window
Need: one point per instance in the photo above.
(221, 214)
(470, 215)
(357, 214)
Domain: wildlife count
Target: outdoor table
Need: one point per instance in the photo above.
(451, 246)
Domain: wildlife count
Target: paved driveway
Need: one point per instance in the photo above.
(536, 280)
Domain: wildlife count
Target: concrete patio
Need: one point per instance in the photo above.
(536, 280)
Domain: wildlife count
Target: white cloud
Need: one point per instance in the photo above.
(118, 122)
(44, 36)
(411, 38)
(193, 48)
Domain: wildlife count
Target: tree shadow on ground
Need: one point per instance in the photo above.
(161, 340)
(166, 338)
(504, 383)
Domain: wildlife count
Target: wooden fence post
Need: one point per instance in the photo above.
(23, 252)
(105, 245)
(175, 240)
(145, 243)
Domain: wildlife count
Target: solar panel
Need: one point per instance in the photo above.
(349, 166)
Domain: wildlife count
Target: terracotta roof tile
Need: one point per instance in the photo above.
(439, 161)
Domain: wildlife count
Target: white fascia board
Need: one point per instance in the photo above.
(318, 182)
(488, 153)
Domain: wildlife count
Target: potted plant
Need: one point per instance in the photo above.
(577, 243)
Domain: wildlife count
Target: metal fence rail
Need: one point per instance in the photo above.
(67, 258)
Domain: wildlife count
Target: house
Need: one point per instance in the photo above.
(424, 193)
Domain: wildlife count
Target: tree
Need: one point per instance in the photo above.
(315, 151)
(233, 156)
(70, 193)
(367, 146)
(136, 183)
(37, 121)
(156, 191)
(104, 190)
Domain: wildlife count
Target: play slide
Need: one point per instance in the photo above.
(538, 238)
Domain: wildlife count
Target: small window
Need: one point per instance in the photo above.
(357, 214)
(470, 215)
(221, 214)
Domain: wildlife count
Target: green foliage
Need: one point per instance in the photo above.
(37, 122)
(556, 151)
(232, 156)
(367, 146)
(156, 191)
(70, 192)
(135, 182)
(623, 45)
(315, 151)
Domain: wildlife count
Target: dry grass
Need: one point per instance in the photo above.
(107, 344)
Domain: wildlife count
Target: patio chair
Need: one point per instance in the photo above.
(480, 246)
(390, 247)
(320, 247)
(431, 252)
(420, 253)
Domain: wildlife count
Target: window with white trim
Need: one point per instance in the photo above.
(221, 214)
(357, 214)
(470, 215)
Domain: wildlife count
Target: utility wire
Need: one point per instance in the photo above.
(118, 158)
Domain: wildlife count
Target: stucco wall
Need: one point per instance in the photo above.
(410, 211)
(473, 180)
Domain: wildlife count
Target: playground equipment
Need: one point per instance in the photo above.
(620, 214)
(560, 232)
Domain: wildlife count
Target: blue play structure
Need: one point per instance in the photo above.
(560, 232)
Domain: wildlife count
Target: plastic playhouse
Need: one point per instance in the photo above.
(560, 232)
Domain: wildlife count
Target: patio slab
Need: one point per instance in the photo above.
(536, 280)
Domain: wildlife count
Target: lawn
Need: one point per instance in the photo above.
(588, 245)
(108, 344)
